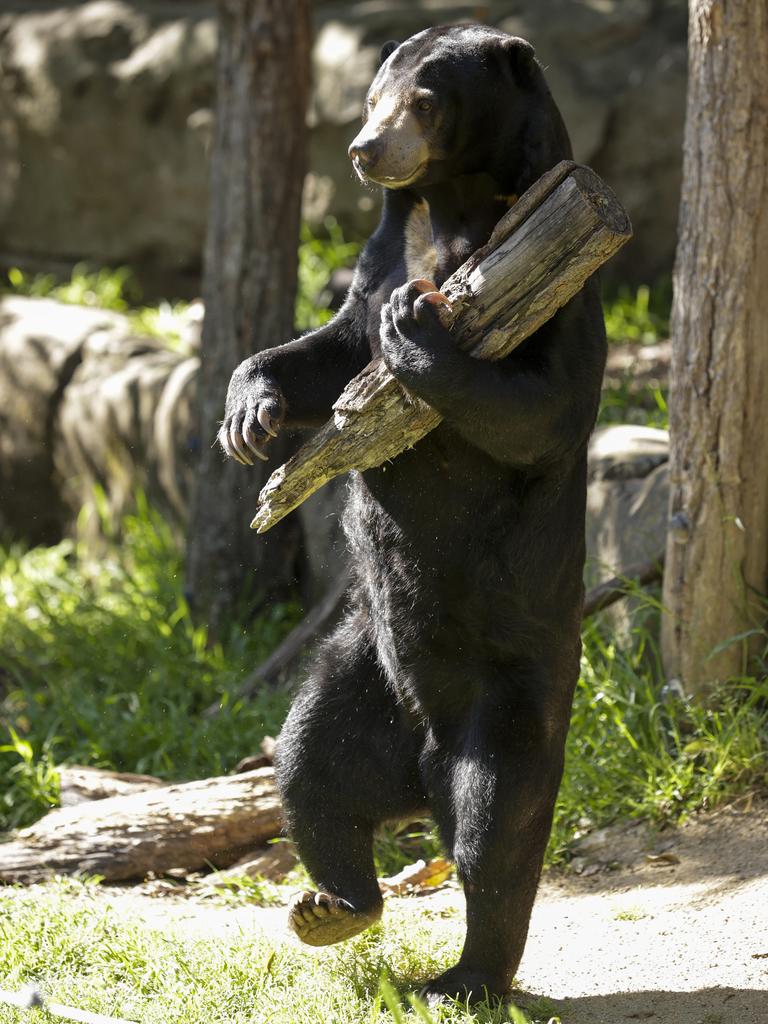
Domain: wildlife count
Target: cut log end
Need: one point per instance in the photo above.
(603, 201)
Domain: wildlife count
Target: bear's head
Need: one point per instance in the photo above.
(458, 100)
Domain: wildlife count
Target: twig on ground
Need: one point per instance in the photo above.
(613, 590)
(31, 998)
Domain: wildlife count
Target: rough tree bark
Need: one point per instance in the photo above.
(249, 280)
(717, 549)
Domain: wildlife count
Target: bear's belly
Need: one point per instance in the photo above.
(475, 575)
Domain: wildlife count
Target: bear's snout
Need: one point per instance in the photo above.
(365, 152)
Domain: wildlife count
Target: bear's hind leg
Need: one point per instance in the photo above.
(345, 763)
(495, 803)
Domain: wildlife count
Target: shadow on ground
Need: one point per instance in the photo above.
(706, 1006)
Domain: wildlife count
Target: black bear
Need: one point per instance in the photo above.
(448, 685)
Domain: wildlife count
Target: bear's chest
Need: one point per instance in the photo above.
(433, 247)
(434, 252)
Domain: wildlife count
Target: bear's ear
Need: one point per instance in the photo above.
(522, 57)
(387, 49)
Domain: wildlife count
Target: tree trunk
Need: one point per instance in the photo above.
(717, 548)
(249, 280)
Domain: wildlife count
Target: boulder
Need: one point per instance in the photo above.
(126, 423)
(85, 404)
(627, 507)
(112, 100)
(41, 346)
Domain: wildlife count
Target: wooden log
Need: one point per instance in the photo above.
(539, 255)
(188, 826)
(80, 783)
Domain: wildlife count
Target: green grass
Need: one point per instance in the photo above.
(632, 315)
(638, 315)
(319, 256)
(101, 664)
(117, 289)
(635, 750)
(90, 952)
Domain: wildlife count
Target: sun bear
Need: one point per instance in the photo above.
(448, 684)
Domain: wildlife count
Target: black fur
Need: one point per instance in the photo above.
(449, 683)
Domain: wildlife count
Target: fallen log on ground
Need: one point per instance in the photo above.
(539, 255)
(188, 826)
(80, 783)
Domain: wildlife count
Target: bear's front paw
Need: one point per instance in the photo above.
(412, 335)
(254, 412)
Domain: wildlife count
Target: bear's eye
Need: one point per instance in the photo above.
(424, 105)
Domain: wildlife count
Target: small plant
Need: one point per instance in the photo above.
(640, 316)
(635, 751)
(630, 914)
(34, 781)
(113, 289)
(117, 289)
(319, 256)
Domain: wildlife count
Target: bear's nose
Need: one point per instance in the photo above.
(365, 153)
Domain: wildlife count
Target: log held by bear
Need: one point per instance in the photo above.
(539, 255)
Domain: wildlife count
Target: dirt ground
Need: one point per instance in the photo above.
(667, 927)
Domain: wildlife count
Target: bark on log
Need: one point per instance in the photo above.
(79, 784)
(539, 255)
(213, 821)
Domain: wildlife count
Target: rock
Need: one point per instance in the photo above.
(41, 346)
(105, 100)
(113, 100)
(627, 501)
(626, 452)
(126, 423)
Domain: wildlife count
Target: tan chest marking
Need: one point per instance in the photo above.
(420, 254)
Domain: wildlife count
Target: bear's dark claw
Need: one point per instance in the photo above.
(237, 444)
(266, 421)
(252, 441)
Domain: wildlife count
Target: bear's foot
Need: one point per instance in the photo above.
(462, 985)
(320, 919)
